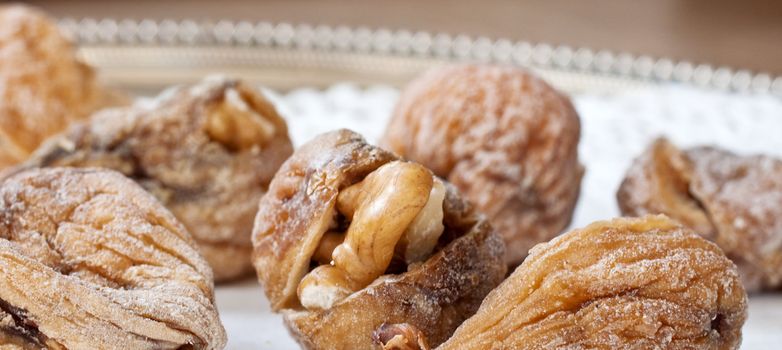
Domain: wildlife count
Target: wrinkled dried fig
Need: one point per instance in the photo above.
(504, 138)
(349, 238)
(206, 151)
(643, 283)
(89, 260)
(43, 85)
(735, 201)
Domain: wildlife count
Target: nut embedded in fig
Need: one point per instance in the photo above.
(207, 151)
(350, 237)
(399, 337)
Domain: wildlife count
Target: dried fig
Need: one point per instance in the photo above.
(645, 283)
(504, 138)
(206, 151)
(350, 238)
(735, 201)
(89, 260)
(43, 85)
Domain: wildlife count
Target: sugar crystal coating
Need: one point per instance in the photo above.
(89, 260)
(504, 138)
(733, 200)
(207, 151)
(642, 283)
(44, 87)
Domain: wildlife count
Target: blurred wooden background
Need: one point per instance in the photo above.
(741, 34)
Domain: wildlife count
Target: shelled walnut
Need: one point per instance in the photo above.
(504, 138)
(735, 201)
(44, 87)
(206, 151)
(642, 283)
(349, 237)
(89, 260)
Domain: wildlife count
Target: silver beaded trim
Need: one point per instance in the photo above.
(92, 32)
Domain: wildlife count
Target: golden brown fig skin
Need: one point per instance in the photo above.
(506, 139)
(46, 87)
(643, 283)
(434, 297)
(735, 201)
(185, 148)
(89, 260)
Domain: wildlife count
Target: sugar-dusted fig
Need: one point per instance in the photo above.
(89, 260)
(43, 85)
(733, 200)
(206, 151)
(506, 139)
(353, 244)
(642, 283)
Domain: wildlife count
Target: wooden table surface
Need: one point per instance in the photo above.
(741, 34)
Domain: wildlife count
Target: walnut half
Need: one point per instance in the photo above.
(381, 208)
(349, 238)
